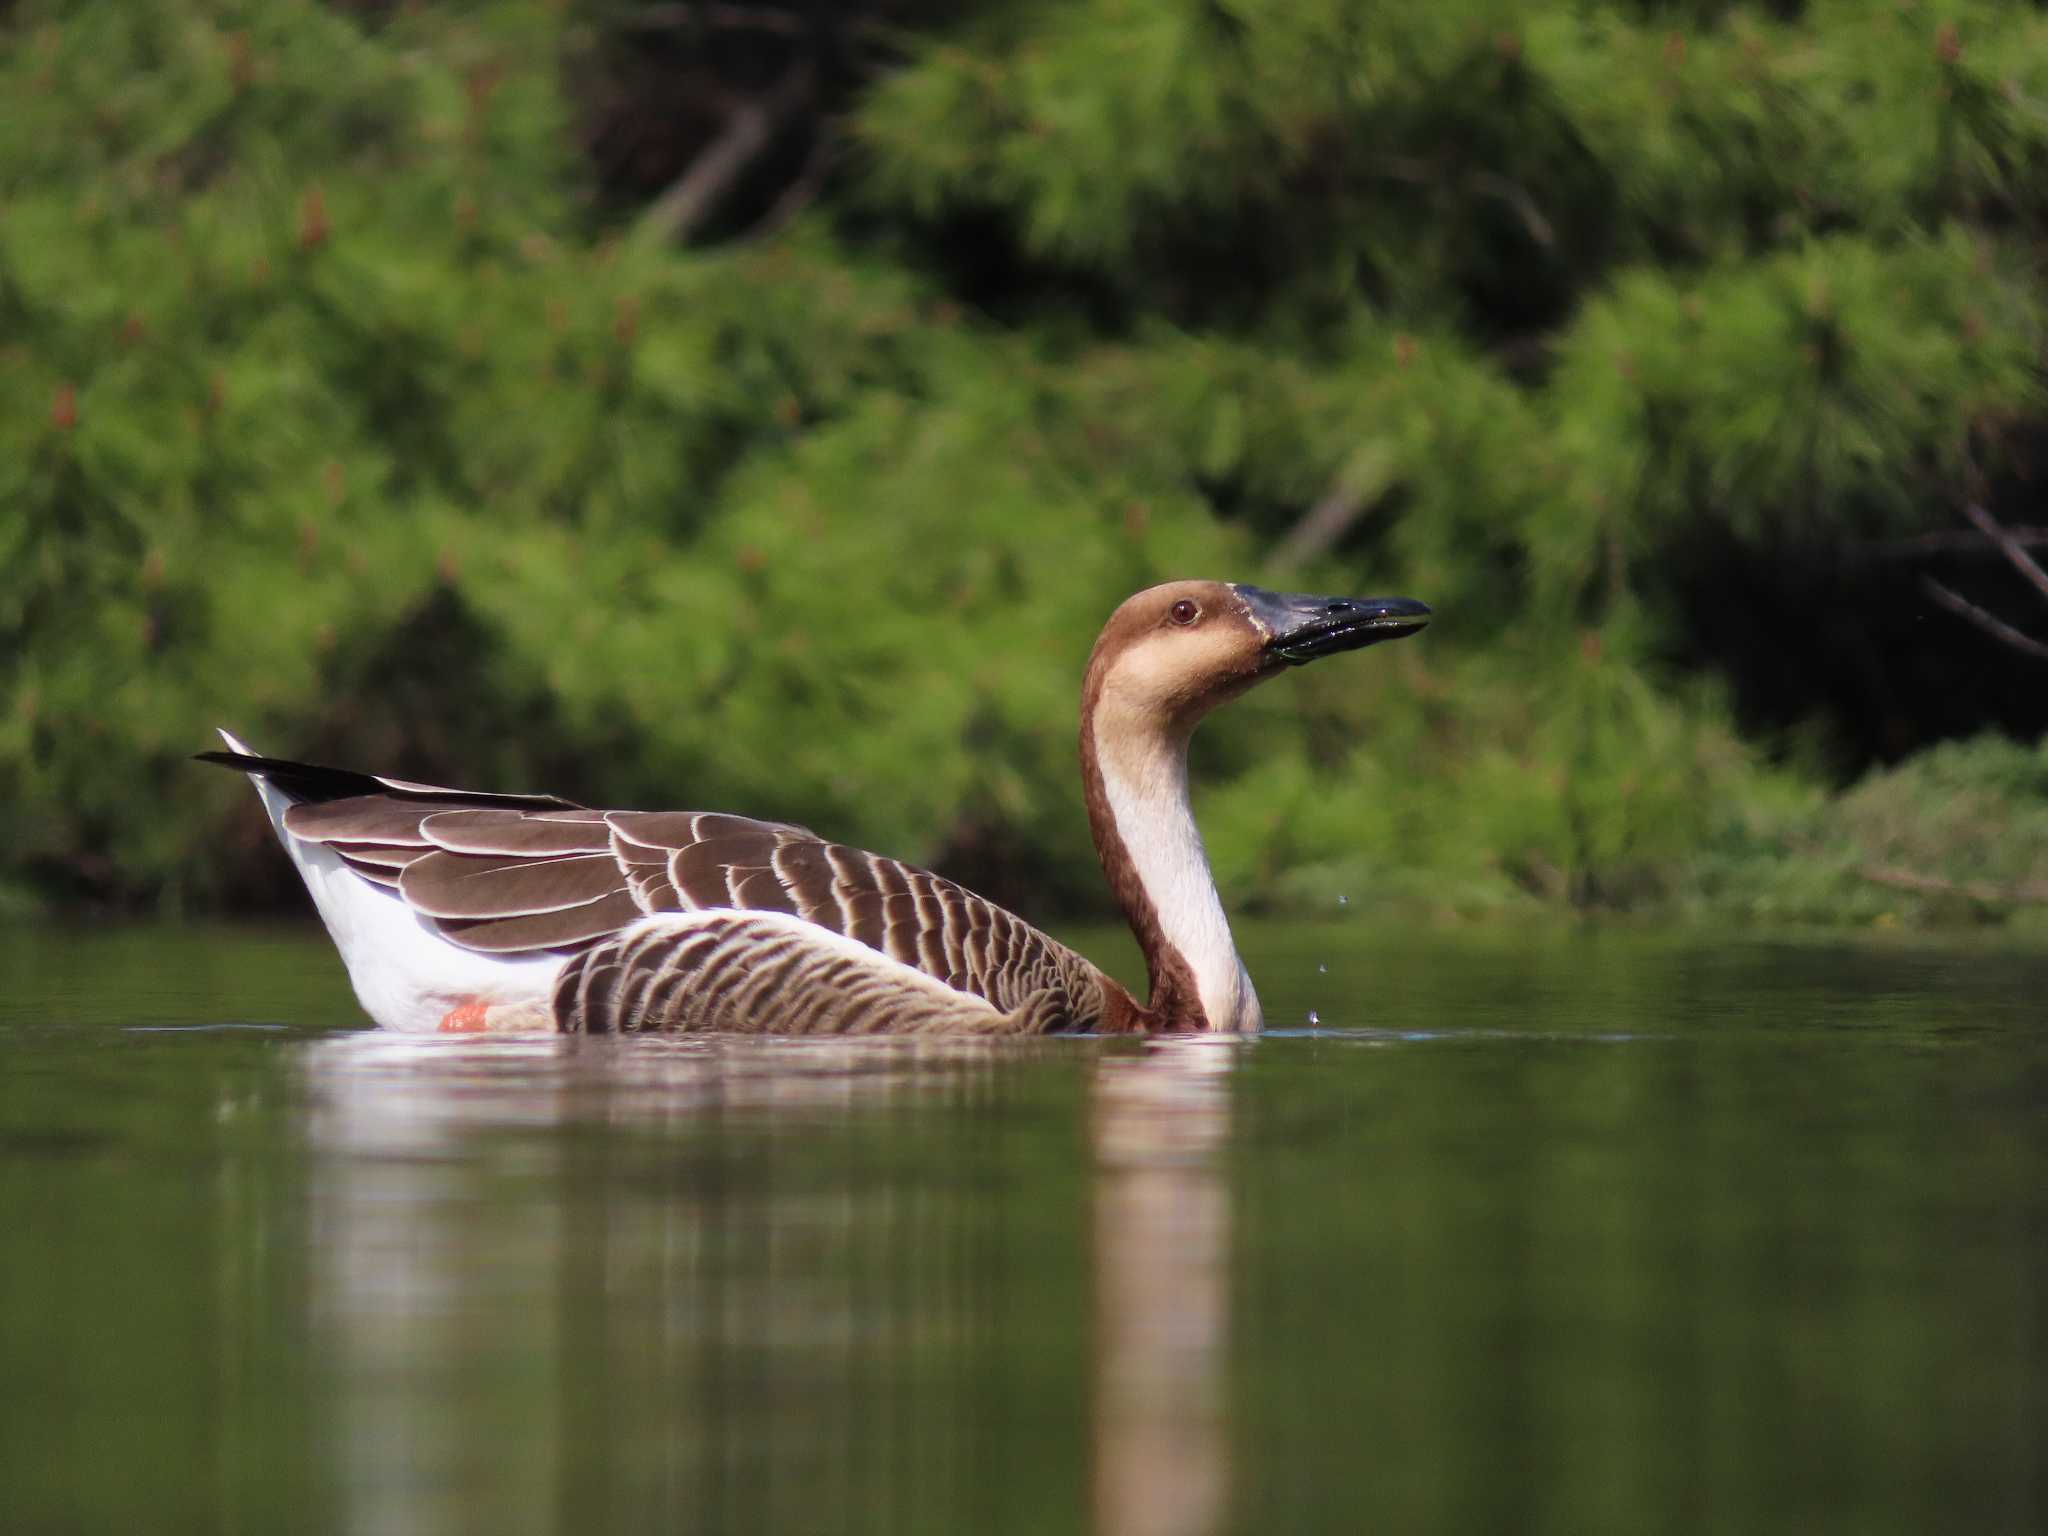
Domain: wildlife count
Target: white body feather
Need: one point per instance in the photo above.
(406, 976)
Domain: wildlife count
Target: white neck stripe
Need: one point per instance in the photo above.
(1145, 780)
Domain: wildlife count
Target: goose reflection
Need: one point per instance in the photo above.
(1162, 1298)
(766, 1283)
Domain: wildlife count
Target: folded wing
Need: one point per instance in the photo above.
(520, 876)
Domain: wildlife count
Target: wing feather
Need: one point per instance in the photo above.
(900, 927)
(759, 889)
(569, 928)
(458, 885)
(647, 873)
(361, 819)
(511, 834)
(665, 830)
(806, 874)
(383, 859)
(699, 871)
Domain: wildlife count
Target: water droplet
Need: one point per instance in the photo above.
(1343, 901)
(1314, 1018)
(1322, 969)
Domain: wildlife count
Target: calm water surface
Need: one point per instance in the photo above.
(1552, 1230)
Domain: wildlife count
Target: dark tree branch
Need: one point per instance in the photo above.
(1418, 172)
(800, 193)
(1409, 168)
(1952, 542)
(2008, 546)
(1517, 197)
(710, 13)
(1322, 525)
(1961, 606)
(695, 195)
(1356, 491)
(1981, 891)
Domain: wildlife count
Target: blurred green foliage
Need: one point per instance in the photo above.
(342, 404)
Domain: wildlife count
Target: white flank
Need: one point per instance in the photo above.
(406, 976)
(1146, 782)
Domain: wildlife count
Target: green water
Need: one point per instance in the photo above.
(1553, 1230)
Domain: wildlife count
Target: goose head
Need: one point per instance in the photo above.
(1166, 658)
(1174, 652)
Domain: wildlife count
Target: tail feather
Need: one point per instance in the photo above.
(406, 975)
(304, 783)
(300, 782)
(275, 800)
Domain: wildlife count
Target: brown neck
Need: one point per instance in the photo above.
(1138, 766)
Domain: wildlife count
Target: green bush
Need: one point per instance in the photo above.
(340, 403)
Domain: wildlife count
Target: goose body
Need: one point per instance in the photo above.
(461, 910)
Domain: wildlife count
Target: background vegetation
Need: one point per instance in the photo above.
(740, 406)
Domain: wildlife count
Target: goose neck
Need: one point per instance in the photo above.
(1135, 774)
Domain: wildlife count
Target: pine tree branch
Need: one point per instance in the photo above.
(692, 197)
(750, 18)
(1409, 168)
(1981, 891)
(1321, 526)
(800, 193)
(1422, 173)
(1517, 197)
(1952, 542)
(1356, 490)
(2010, 547)
(1957, 604)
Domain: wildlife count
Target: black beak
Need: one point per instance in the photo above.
(1302, 628)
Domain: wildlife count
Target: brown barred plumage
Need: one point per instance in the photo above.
(770, 973)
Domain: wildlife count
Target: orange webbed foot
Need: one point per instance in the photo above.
(465, 1019)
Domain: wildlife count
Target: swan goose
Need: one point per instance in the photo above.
(455, 910)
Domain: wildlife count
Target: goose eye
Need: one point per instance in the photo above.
(1184, 612)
